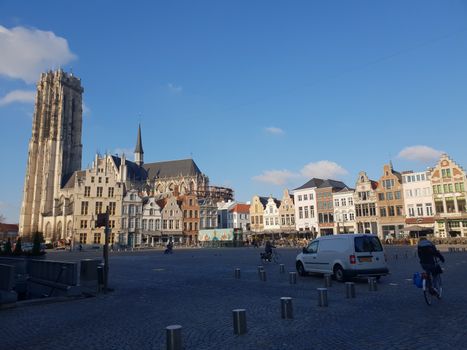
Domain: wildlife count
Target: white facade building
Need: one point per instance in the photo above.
(306, 217)
(344, 211)
(239, 216)
(151, 222)
(271, 215)
(418, 199)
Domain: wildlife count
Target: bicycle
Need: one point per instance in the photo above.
(436, 289)
(273, 257)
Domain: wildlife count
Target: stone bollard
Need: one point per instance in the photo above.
(372, 285)
(286, 308)
(327, 281)
(239, 321)
(174, 337)
(260, 268)
(237, 273)
(292, 277)
(262, 275)
(350, 290)
(281, 268)
(322, 297)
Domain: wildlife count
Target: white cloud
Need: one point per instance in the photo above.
(174, 89)
(20, 96)
(275, 131)
(324, 169)
(26, 52)
(276, 177)
(423, 154)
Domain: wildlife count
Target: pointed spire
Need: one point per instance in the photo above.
(139, 144)
(139, 148)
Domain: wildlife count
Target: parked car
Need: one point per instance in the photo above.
(345, 256)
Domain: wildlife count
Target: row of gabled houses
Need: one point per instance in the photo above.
(396, 205)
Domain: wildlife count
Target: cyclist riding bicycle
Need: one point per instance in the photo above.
(268, 250)
(428, 255)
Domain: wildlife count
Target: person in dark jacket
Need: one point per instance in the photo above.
(428, 255)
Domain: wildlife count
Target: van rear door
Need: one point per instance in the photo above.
(369, 253)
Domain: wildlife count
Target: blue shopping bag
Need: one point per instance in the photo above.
(418, 280)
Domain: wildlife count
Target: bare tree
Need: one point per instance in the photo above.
(2, 219)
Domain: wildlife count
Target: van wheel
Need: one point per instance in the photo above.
(339, 273)
(300, 269)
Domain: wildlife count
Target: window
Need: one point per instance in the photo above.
(312, 211)
(381, 196)
(124, 223)
(306, 212)
(372, 209)
(111, 192)
(391, 211)
(92, 179)
(300, 198)
(300, 212)
(106, 180)
(382, 211)
(98, 208)
(99, 192)
(350, 200)
(351, 216)
(97, 238)
(132, 209)
(132, 223)
(84, 208)
(84, 224)
(411, 211)
(397, 194)
(399, 211)
(145, 224)
(389, 196)
(87, 191)
(345, 217)
(83, 238)
(445, 173)
(343, 202)
(420, 209)
(100, 179)
(429, 209)
(305, 197)
(336, 202)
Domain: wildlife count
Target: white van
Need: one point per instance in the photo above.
(345, 256)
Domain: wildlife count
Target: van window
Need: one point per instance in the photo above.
(335, 244)
(313, 247)
(367, 244)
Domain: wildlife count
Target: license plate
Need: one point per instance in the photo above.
(365, 259)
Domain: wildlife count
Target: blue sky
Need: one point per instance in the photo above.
(262, 94)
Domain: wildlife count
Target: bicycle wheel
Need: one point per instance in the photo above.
(426, 292)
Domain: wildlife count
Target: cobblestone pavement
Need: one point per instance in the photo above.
(196, 288)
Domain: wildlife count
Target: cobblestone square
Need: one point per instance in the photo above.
(196, 288)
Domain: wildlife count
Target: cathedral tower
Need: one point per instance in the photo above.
(54, 148)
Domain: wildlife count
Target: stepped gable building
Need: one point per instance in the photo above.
(449, 191)
(54, 151)
(287, 213)
(366, 202)
(271, 215)
(390, 203)
(257, 208)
